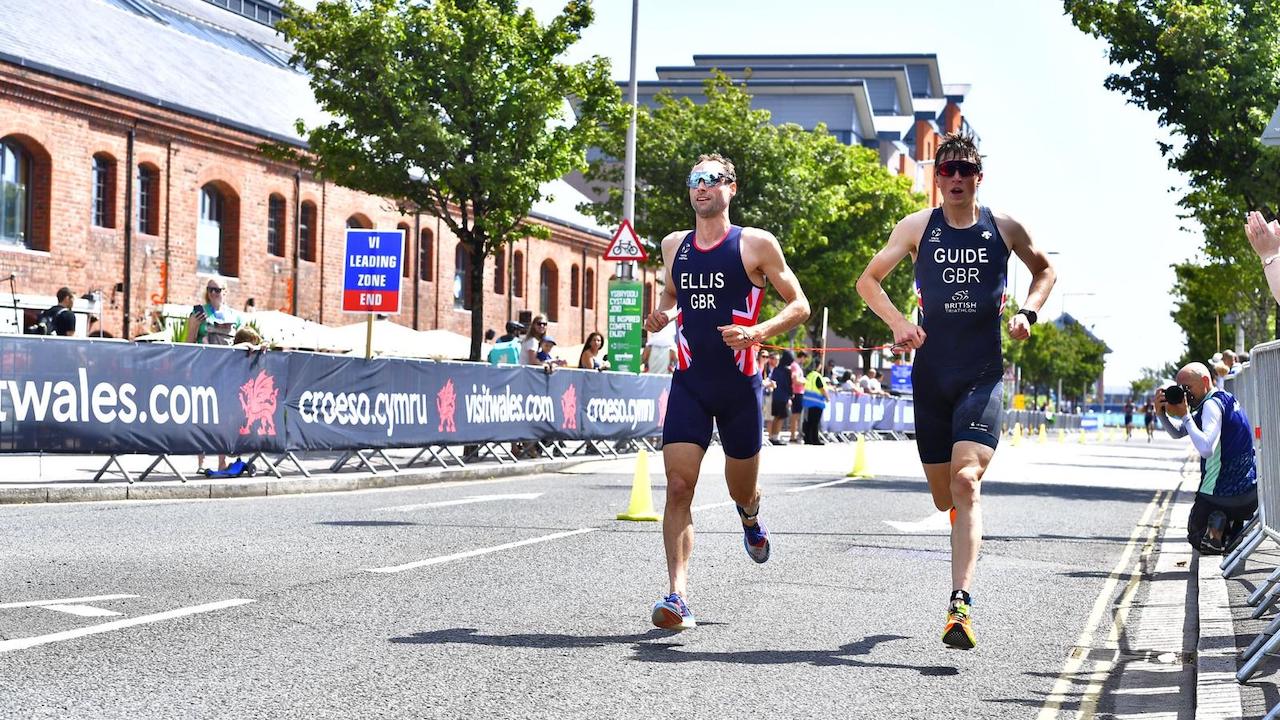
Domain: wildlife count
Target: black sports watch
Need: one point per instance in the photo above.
(1031, 315)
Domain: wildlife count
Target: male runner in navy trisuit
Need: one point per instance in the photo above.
(961, 253)
(715, 287)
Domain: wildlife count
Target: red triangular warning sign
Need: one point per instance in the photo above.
(626, 244)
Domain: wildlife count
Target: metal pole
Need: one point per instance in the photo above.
(626, 269)
(822, 362)
(368, 338)
(128, 230)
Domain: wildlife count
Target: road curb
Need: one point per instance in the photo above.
(259, 487)
(1217, 694)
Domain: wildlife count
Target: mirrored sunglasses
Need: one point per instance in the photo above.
(712, 179)
(962, 167)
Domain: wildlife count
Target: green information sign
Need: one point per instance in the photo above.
(626, 320)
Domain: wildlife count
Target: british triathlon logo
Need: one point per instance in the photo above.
(684, 252)
(986, 234)
(569, 407)
(936, 235)
(447, 406)
(960, 303)
(258, 398)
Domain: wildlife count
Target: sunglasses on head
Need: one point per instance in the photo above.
(964, 168)
(712, 179)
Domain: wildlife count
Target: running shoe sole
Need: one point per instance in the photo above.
(957, 636)
(763, 556)
(668, 617)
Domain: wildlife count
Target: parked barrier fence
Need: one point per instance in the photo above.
(1257, 387)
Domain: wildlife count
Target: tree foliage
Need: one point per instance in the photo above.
(455, 107)
(831, 205)
(1065, 353)
(1210, 69)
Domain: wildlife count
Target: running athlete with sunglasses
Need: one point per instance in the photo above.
(961, 253)
(716, 277)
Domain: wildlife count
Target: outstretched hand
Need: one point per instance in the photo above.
(1263, 236)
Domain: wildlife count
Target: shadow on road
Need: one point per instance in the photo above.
(671, 652)
(996, 488)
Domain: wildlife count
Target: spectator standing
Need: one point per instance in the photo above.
(846, 382)
(780, 405)
(659, 354)
(870, 383)
(532, 344)
(514, 331)
(797, 394)
(58, 319)
(214, 322)
(1229, 359)
(589, 359)
(814, 401)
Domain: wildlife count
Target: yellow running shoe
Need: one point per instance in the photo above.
(958, 632)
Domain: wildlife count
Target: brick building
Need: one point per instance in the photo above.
(155, 110)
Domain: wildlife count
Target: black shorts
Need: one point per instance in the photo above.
(797, 403)
(1128, 420)
(951, 405)
(780, 406)
(730, 401)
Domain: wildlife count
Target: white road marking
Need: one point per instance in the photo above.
(464, 501)
(805, 488)
(708, 506)
(937, 521)
(1071, 669)
(24, 643)
(480, 551)
(61, 601)
(81, 610)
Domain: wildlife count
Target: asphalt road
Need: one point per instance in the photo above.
(426, 602)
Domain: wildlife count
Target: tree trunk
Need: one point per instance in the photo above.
(476, 291)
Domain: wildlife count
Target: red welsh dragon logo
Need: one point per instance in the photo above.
(258, 398)
(569, 406)
(446, 405)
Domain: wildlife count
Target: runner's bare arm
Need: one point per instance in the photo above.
(1042, 273)
(903, 242)
(762, 253)
(666, 309)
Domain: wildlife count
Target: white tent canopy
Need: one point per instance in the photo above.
(395, 340)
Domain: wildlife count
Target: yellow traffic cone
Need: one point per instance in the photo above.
(859, 460)
(641, 506)
(1081, 438)
(1041, 437)
(1016, 440)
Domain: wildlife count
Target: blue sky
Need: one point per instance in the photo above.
(1075, 163)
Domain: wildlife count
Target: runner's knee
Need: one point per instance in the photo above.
(680, 487)
(964, 485)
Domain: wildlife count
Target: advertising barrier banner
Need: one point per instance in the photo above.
(77, 396)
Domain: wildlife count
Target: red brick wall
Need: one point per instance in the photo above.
(63, 124)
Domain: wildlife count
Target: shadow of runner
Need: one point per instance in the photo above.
(841, 656)
(671, 652)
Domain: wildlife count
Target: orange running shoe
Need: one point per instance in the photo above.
(953, 516)
(958, 632)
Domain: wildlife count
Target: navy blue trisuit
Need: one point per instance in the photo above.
(712, 382)
(956, 378)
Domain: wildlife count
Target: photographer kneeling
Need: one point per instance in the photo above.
(1228, 492)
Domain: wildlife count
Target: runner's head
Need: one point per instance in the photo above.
(712, 184)
(957, 168)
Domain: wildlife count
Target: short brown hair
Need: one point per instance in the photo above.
(958, 144)
(247, 334)
(717, 157)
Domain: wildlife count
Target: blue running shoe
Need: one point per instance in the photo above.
(755, 538)
(670, 613)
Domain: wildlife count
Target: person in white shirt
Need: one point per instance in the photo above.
(660, 352)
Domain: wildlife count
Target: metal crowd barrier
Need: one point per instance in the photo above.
(1257, 388)
(1036, 418)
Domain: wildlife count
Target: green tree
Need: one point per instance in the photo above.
(455, 107)
(1210, 69)
(1207, 298)
(830, 205)
(1151, 379)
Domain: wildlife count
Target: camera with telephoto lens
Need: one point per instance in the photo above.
(1175, 394)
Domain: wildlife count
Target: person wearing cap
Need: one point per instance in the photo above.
(506, 351)
(514, 331)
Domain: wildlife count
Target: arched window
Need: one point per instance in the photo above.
(589, 289)
(359, 222)
(275, 225)
(517, 273)
(408, 259)
(425, 269)
(500, 271)
(209, 231)
(15, 195)
(574, 286)
(549, 290)
(147, 201)
(103, 201)
(307, 232)
(461, 278)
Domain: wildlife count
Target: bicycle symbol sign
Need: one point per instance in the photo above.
(626, 245)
